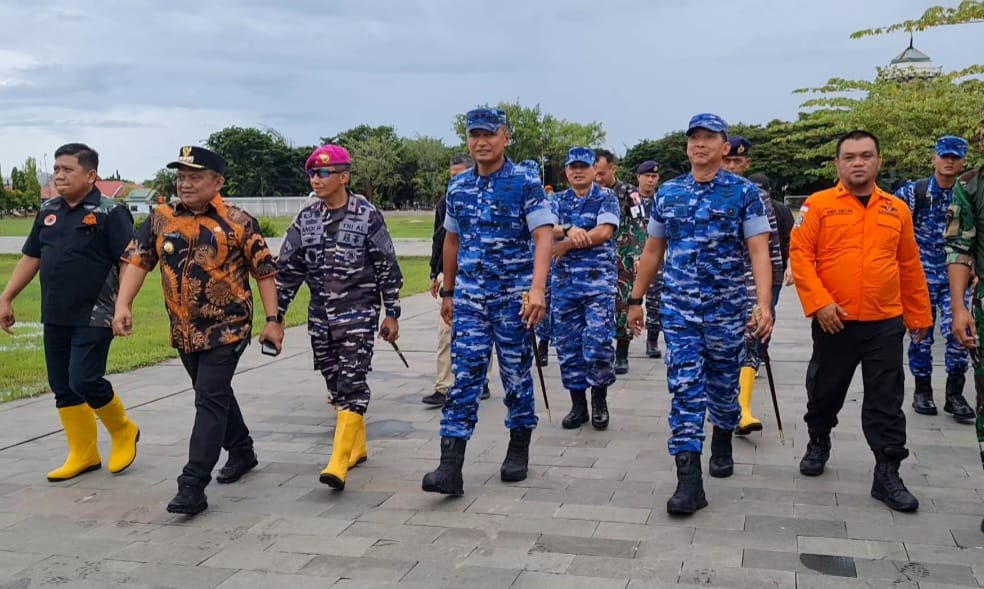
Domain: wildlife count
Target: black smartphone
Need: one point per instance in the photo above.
(268, 349)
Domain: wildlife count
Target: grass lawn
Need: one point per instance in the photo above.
(417, 225)
(22, 370)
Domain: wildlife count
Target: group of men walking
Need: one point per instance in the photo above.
(707, 253)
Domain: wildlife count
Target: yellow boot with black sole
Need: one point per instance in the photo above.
(79, 422)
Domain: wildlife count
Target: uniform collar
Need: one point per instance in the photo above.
(93, 198)
(877, 193)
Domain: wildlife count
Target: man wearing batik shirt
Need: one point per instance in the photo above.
(207, 250)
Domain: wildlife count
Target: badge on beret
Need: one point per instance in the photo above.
(50, 220)
(168, 247)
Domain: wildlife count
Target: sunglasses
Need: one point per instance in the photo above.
(321, 172)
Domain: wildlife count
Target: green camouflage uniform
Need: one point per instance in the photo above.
(629, 241)
(965, 245)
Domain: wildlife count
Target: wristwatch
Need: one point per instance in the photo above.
(444, 294)
(566, 228)
(278, 318)
(632, 302)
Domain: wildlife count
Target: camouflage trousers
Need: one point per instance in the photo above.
(544, 330)
(978, 310)
(479, 321)
(921, 354)
(585, 328)
(654, 297)
(702, 350)
(753, 350)
(626, 280)
(344, 364)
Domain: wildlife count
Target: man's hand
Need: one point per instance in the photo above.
(560, 248)
(636, 319)
(964, 328)
(760, 324)
(123, 322)
(447, 310)
(7, 319)
(273, 332)
(579, 237)
(919, 335)
(829, 318)
(787, 278)
(389, 331)
(534, 307)
(434, 286)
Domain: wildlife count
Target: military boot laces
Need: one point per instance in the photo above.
(689, 494)
(579, 411)
(599, 407)
(817, 454)
(887, 485)
(922, 397)
(447, 478)
(955, 404)
(722, 463)
(516, 464)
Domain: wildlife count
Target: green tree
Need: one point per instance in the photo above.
(541, 137)
(4, 198)
(29, 178)
(16, 181)
(378, 154)
(259, 162)
(968, 11)
(427, 159)
(165, 182)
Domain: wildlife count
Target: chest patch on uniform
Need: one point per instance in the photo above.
(311, 228)
(352, 232)
(50, 220)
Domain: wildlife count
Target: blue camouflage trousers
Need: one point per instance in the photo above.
(702, 348)
(921, 354)
(585, 327)
(480, 320)
(344, 363)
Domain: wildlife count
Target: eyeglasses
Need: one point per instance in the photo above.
(321, 172)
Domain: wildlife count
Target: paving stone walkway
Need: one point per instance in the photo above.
(591, 514)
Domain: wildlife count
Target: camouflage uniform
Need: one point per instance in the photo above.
(630, 237)
(930, 223)
(583, 283)
(347, 258)
(654, 295)
(494, 217)
(752, 348)
(705, 301)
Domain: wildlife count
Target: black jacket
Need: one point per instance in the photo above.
(437, 244)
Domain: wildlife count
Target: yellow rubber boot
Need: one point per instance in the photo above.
(83, 454)
(359, 451)
(124, 433)
(345, 431)
(748, 423)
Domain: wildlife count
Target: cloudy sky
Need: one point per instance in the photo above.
(137, 78)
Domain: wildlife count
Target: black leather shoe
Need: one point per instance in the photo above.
(190, 500)
(689, 495)
(887, 486)
(652, 345)
(447, 478)
(516, 463)
(622, 356)
(955, 404)
(578, 413)
(922, 397)
(238, 464)
(599, 407)
(722, 462)
(436, 399)
(486, 393)
(817, 454)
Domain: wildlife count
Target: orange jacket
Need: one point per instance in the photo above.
(864, 259)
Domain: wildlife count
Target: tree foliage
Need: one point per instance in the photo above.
(260, 162)
(165, 182)
(968, 11)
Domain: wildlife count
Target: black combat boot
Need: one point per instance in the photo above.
(517, 460)
(955, 404)
(622, 356)
(886, 486)
(922, 397)
(817, 454)
(599, 407)
(190, 500)
(579, 411)
(541, 349)
(447, 478)
(721, 464)
(239, 463)
(689, 494)
(652, 344)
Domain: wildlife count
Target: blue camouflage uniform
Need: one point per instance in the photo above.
(584, 284)
(347, 259)
(494, 217)
(543, 330)
(929, 223)
(705, 300)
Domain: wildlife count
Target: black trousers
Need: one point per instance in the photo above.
(877, 346)
(218, 420)
(76, 360)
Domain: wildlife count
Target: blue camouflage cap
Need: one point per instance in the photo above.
(580, 155)
(709, 121)
(950, 145)
(739, 146)
(487, 119)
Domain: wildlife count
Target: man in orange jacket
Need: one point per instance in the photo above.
(851, 250)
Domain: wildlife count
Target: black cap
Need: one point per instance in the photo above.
(199, 158)
(761, 180)
(647, 167)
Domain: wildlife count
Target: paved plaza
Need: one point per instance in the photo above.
(590, 515)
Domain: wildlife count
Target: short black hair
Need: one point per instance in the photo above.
(607, 154)
(88, 158)
(855, 135)
(462, 159)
